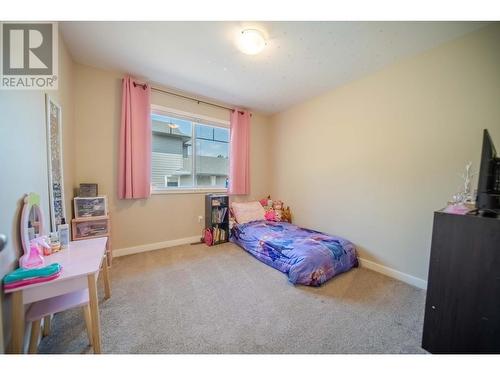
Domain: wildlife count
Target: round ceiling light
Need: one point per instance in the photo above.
(251, 41)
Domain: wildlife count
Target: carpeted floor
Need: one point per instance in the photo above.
(195, 299)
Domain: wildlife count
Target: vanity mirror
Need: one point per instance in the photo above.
(32, 221)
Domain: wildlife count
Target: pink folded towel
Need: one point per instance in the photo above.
(35, 280)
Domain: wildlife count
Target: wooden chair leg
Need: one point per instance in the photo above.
(94, 313)
(35, 333)
(88, 322)
(46, 326)
(105, 277)
(109, 251)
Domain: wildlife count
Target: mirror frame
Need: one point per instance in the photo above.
(31, 201)
(55, 162)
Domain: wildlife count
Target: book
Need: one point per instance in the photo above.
(218, 235)
(218, 215)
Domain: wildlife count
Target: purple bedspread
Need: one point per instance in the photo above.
(307, 256)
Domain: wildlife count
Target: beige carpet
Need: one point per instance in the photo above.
(195, 299)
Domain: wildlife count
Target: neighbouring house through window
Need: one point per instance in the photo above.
(188, 153)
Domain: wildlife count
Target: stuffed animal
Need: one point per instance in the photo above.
(263, 201)
(275, 210)
(266, 202)
(286, 215)
(277, 205)
(270, 215)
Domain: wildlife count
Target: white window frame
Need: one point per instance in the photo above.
(195, 118)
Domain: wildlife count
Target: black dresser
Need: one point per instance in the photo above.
(462, 309)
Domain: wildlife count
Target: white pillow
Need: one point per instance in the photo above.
(245, 212)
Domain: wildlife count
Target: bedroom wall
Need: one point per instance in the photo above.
(23, 160)
(163, 217)
(373, 159)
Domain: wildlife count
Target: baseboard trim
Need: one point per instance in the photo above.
(154, 246)
(395, 274)
(391, 272)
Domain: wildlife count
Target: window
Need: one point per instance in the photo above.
(188, 153)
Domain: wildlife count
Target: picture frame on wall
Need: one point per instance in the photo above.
(55, 162)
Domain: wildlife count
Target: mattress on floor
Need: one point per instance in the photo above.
(308, 257)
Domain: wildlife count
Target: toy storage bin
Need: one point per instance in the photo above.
(92, 228)
(90, 206)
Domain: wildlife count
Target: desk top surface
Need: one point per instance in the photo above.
(81, 258)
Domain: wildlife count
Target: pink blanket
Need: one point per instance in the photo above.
(34, 280)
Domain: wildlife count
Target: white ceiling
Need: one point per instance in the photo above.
(301, 60)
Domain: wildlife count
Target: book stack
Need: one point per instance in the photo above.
(219, 234)
(218, 215)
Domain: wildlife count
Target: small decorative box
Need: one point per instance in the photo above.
(88, 190)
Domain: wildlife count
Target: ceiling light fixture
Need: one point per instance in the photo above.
(251, 41)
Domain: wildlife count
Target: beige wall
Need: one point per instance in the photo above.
(23, 158)
(373, 159)
(163, 217)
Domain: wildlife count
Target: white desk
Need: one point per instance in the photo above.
(81, 263)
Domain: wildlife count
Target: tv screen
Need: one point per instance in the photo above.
(488, 189)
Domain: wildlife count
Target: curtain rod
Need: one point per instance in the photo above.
(144, 85)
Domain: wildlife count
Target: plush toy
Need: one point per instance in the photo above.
(275, 210)
(277, 205)
(270, 215)
(286, 215)
(267, 202)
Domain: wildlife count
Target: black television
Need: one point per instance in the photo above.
(488, 189)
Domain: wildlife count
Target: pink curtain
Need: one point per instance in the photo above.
(134, 169)
(239, 154)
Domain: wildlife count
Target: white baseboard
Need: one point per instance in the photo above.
(155, 246)
(391, 272)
